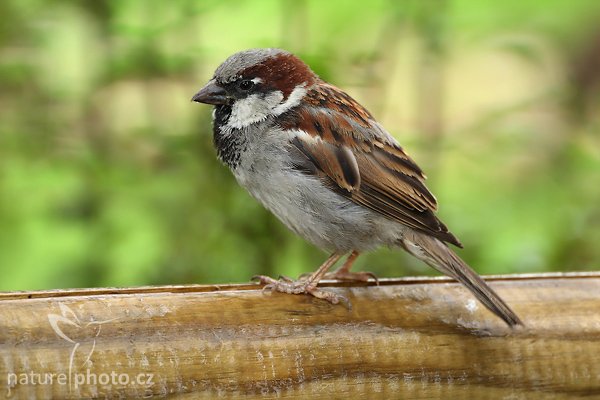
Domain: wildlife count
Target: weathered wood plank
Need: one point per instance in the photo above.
(418, 338)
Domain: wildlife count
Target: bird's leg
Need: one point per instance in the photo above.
(307, 285)
(343, 273)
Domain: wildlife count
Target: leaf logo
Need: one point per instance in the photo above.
(81, 334)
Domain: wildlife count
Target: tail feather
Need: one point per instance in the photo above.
(439, 256)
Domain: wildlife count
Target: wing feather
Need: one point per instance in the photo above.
(357, 158)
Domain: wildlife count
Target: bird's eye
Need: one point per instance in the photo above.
(246, 84)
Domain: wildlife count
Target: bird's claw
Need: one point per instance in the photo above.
(301, 286)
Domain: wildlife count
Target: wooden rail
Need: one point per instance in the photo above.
(414, 338)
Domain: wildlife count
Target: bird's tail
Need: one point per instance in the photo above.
(439, 256)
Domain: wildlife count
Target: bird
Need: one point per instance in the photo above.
(321, 163)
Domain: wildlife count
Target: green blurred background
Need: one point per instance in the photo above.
(108, 176)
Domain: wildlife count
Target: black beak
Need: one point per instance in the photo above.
(211, 93)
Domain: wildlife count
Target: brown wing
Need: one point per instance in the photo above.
(358, 159)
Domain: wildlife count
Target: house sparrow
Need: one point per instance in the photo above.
(319, 161)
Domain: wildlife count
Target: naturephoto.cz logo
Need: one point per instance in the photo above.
(77, 379)
(82, 336)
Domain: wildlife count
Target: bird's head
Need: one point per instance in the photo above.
(257, 84)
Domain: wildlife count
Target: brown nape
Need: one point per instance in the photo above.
(283, 72)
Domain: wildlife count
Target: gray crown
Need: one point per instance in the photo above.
(230, 70)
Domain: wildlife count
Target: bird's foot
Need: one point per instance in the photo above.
(345, 275)
(300, 286)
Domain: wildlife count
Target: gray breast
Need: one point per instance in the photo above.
(302, 202)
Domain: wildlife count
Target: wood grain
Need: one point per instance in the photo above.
(416, 338)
